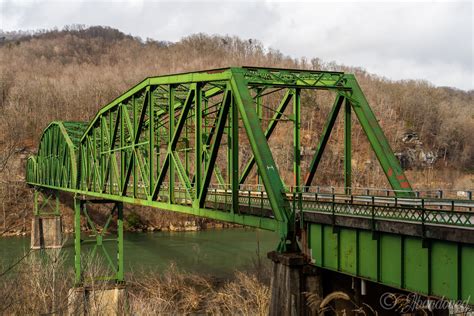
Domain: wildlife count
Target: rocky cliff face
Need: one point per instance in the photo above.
(415, 154)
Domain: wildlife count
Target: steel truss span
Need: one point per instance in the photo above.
(176, 142)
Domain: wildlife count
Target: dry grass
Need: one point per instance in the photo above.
(245, 295)
(40, 285)
(175, 292)
(171, 292)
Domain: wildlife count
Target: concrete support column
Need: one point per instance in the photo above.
(84, 301)
(46, 232)
(291, 277)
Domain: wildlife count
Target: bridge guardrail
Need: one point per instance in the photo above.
(421, 210)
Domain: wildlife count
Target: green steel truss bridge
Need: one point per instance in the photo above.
(176, 143)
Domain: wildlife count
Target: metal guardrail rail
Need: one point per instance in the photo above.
(448, 212)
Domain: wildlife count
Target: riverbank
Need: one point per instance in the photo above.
(17, 213)
(185, 226)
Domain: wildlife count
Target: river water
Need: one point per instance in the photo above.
(212, 252)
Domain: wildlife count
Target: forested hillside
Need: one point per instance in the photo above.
(70, 74)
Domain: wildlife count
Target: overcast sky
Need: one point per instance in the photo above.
(399, 40)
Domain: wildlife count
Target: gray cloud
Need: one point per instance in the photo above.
(423, 40)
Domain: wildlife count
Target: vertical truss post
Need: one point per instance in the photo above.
(205, 131)
(133, 157)
(198, 140)
(82, 173)
(234, 155)
(95, 158)
(347, 147)
(78, 205)
(151, 142)
(171, 132)
(158, 147)
(297, 139)
(122, 144)
(187, 148)
(102, 154)
(260, 116)
(110, 146)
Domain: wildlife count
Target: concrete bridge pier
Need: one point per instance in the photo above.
(83, 301)
(292, 277)
(46, 225)
(46, 232)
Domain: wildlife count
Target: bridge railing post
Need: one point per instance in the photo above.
(215, 198)
(333, 209)
(293, 202)
(250, 199)
(440, 196)
(423, 219)
(373, 213)
(469, 197)
(300, 200)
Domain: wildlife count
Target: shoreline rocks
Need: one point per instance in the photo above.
(186, 226)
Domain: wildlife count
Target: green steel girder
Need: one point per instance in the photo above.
(441, 268)
(132, 150)
(56, 162)
(121, 149)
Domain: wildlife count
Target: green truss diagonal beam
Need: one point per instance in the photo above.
(379, 143)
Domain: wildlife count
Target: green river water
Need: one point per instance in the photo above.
(213, 252)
